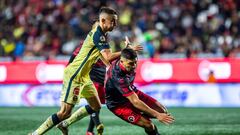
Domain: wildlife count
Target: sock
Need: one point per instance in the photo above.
(77, 115)
(94, 115)
(95, 118)
(89, 109)
(152, 132)
(156, 130)
(91, 125)
(48, 124)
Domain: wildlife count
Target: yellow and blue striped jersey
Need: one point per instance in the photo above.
(95, 41)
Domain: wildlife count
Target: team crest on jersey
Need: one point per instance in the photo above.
(75, 98)
(131, 118)
(102, 38)
(132, 87)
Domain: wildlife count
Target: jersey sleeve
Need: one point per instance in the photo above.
(100, 41)
(124, 86)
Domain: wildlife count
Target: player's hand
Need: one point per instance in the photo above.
(136, 47)
(129, 45)
(127, 42)
(165, 118)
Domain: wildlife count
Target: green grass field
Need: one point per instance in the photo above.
(189, 121)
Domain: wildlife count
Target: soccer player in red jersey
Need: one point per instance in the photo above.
(126, 101)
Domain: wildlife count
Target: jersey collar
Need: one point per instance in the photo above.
(122, 68)
(100, 29)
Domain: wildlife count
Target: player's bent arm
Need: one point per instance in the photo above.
(162, 117)
(109, 56)
(162, 106)
(133, 98)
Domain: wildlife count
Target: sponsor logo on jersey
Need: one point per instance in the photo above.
(102, 39)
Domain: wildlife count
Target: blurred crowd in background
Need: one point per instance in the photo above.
(166, 28)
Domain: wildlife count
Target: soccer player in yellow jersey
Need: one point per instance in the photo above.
(77, 82)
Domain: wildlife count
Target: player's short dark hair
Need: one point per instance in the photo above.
(107, 10)
(128, 54)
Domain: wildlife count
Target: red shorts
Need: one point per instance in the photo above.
(101, 92)
(131, 114)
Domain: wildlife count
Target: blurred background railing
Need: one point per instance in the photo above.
(174, 82)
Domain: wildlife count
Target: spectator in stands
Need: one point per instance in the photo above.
(205, 27)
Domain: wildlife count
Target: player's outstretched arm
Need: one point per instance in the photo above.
(162, 117)
(159, 107)
(109, 56)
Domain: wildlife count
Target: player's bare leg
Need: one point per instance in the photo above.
(77, 115)
(94, 105)
(148, 126)
(53, 120)
(64, 129)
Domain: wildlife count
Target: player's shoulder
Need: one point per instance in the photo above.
(98, 35)
(116, 61)
(100, 63)
(117, 73)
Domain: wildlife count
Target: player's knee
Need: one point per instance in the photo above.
(96, 108)
(65, 111)
(92, 109)
(64, 114)
(148, 125)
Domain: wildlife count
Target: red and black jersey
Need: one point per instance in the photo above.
(74, 54)
(98, 71)
(118, 85)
